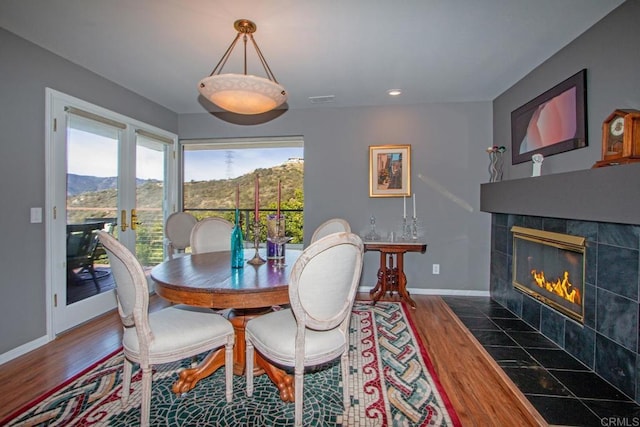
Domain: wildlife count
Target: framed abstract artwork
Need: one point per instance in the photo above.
(389, 170)
(553, 122)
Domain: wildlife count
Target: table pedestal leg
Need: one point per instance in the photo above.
(381, 286)
(402, 282)
(282, 380)
(391, 278)
(392, 274)
(188, 378)
(239, 319)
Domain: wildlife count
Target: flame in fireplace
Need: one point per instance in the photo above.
(561, 286)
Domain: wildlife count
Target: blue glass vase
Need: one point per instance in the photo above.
(237, 244)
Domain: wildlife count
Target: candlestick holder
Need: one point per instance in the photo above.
(257, 259)
(405, 228)
(414, 228)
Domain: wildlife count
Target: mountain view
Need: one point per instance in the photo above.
(92, 198)
(78, 184)
(92, 191)
(222, 193)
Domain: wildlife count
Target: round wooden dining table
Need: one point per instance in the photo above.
(207, 280)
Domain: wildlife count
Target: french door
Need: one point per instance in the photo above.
(106, 172)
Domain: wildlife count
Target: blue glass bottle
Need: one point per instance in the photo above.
(237, 244)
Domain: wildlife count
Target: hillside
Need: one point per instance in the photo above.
(78, 184)
(95, 192)
(222, 193)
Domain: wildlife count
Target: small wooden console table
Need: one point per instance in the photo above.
(391, 277)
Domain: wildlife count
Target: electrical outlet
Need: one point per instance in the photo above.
(436, 268)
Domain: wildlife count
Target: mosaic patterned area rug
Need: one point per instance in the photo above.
(392, 384)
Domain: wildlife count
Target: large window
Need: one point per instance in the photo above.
(214, 170)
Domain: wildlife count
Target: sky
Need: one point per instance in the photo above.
(90, 154)
(207, 165)
(200, 165)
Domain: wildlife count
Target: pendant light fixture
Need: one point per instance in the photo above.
(243, 93)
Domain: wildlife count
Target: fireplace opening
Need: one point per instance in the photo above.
(551, 268)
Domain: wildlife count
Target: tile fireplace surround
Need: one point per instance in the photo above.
(606, 212)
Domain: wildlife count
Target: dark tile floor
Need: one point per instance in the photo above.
(561, 388)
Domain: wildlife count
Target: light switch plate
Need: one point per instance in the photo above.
(36, 215)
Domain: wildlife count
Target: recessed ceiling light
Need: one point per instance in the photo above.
(394, 92)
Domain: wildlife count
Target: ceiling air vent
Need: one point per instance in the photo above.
(325, 99)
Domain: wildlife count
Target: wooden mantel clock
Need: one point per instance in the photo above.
(620, 138)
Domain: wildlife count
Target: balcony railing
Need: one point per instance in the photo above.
(150, 232)
(247, 219)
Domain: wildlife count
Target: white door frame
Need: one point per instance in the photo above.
(54, 209)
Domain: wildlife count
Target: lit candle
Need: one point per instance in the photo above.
(257, 197)
(414, 205)
(404, 206)
(279, 196)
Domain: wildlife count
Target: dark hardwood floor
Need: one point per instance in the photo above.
(479, 390)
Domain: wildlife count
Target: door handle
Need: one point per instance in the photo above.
(134, 219)
(123, 220)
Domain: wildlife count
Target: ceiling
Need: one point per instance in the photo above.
(353, 50)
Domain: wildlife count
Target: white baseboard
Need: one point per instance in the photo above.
(449, 292)
(23, 349)
(443, 292)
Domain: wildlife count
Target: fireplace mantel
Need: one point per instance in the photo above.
(609, 194)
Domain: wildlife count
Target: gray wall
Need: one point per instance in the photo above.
(25, 71)
(448, 142)
(448, 163)
(610, 52)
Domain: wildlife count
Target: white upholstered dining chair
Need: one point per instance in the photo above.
(173, 333)
(333, 225)
(315, 330)
(211, 235)
(177, 230)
